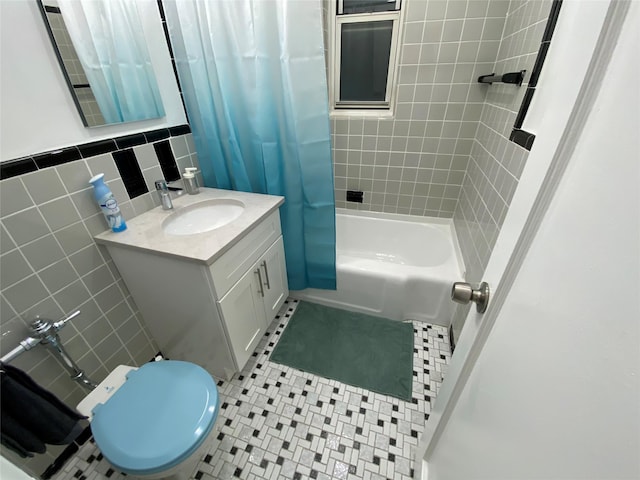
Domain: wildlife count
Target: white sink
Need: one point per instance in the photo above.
(202, 216)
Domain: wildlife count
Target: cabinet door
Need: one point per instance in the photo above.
(244, 316)
(273, 274)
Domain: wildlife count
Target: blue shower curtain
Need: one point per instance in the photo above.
(253, 77)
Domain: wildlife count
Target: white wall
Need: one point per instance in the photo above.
(37, 112)
(555, 392)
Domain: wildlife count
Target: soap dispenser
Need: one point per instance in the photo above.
(190, 181)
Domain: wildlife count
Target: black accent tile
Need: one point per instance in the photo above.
(224, 406)
(297, 476)
(84, 436)
(109, 473)
(57, 157)
(208, 458)
(394, 420)
(167, 161)
(256, 432)
(327, 420)
(414, 433)
(318, 457)
(319, 403)
(131, 140)
(414, 401)
(279, 460)
(294, 424)
(199, 475)
(394, 408)
(380, 423)
(270, 401)
(156, 135)
(244, 391)
(220, 436)
(298, 410)
(309, 437)
(238, 472)
(248, 448)
(537, 68)
(309, 382)
(77, 474)
(392, 442)
(51, 9)
(130, 173)
(227, 422)
(332, 401)
(427, 387)
(336, 390)
(179, 130)
(551, 22)
(363, 410)
(161, 8)
(17, 167)
(233, 450)
(524, 107)
(238, 403)
(324, 434)
(359, 430)
(286, 445)
(356, 445)
(264, 463)
(313, 474)
(278, 426)
(391, 457)
(522, 138)
(376, 460)
(352, 469)
(97, 148)
(99, 457)
(365, 398)
(59, 462)
(341, 448)
(349, 413)
(91, 458)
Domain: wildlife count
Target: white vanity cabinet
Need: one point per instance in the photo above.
(213, 314)
(252, 303)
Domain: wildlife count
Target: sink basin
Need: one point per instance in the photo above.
(202, 216)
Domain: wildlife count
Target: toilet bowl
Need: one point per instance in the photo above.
(153, 421)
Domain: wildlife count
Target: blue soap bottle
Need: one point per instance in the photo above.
(107, 203)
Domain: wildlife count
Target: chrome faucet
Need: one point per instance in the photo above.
(165, 196)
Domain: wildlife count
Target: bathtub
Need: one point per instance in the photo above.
(394, 266)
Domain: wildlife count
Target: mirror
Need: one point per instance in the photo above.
(102, 51)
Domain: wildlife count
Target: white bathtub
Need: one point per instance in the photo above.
(393, 266)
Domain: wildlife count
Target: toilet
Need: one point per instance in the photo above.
(153, 421)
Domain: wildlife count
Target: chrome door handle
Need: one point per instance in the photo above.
(260, 281)
(463, 292)
(266, 274)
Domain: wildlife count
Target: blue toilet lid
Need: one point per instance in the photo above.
(161, 415)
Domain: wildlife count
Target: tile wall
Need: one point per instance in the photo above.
(415, 163)
(50, 265)
(495, 163)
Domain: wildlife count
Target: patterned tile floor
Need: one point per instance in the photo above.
(278, 422)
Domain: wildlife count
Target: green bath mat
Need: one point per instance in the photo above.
(357, 349)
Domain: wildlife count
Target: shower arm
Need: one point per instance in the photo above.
(46, 332)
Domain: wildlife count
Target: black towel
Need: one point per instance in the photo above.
(32, 416)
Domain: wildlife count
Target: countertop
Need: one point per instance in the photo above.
(144, 232)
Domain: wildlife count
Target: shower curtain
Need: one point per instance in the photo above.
(253, 77)
(108, 38)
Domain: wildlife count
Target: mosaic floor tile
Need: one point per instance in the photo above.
(276, 422)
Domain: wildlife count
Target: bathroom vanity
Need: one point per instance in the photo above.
(206, 296)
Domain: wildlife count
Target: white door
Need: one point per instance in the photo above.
(545, 384)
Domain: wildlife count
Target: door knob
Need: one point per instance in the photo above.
(462, 292)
